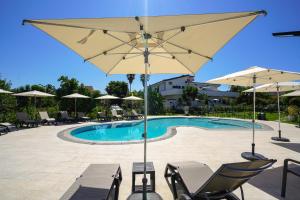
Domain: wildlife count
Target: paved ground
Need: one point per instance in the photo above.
(37, 165)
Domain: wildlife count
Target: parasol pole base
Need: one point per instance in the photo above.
(280, 139)
(252, 156)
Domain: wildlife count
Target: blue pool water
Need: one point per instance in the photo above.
(156, 128)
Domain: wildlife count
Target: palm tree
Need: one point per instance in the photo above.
(142, 78)
(130, 78)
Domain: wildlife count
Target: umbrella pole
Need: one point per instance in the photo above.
(253, 120)
(35, 107)
(252, 155)
(279, 138)
(146, 54)
(75, 108)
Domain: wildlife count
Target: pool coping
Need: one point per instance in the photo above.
(171, 131)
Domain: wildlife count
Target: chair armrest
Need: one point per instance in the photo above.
(291, 160)
(184, 197)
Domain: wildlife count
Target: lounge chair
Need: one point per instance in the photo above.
(293, 169)
(45, 118)
(9, 127)
(115, 114)
(3, 130)
(194, 180)
(130, 116)
(101, 116)
(23, 119)
(98, 181)
(81, 116)
(136, 114)
(64, 117)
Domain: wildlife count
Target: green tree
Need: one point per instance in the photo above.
(117, 88)
(142, 78)
(155, 103)
(7, 103)
(130, 78)
(189, 94)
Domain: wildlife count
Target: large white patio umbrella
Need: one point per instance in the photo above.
(292, 94)
(148, 45)
(75, 96)
(250, 78)
(34, 94)
(5, 92)
(277, 87)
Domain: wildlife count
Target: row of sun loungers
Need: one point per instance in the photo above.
(188, 180)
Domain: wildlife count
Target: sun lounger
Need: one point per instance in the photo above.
(64, 117)
(194, 180)
(98, 181)
(45, 118)
(136, 114)
(3, 130)
(293, 169)
(8, 126)
(23, 119)
(81, 116)
(102, 117)
(116, 115)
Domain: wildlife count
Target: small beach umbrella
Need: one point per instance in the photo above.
(5, 92)
(179, 44)
(250, 78)
(277, 87)
(292, 94)
(107, 97)
(34, 94)
(75, 96)
(133, 98)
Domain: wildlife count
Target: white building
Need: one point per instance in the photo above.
(171, 89)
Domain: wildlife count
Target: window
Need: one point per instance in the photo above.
(170, 83)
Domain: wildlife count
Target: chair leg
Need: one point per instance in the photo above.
(284, 178)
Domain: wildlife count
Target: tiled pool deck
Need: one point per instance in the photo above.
(35, 164)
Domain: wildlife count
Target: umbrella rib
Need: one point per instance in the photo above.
(160, 44)
(189, 50)
(117, 63)
(113, 48)
(219, 20)
(68, 25)
(115, 37)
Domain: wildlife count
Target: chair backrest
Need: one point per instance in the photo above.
(231, 176)
(114, 112)
(22, 116)
(64, 114)
(80, 114)
(43, 115)
(134, 112)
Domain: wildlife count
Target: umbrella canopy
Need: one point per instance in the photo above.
(5, 92)
(251, 77)
(76, 96)
(133, 98)
(272, 87)
(148, 45)
(34, 93)
(107, 97)
(262, 76)
(176, 44)
(277, 87)
(292, 94)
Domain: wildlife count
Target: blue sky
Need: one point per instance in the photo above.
(29, 56)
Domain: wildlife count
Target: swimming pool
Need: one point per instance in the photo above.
(157, 127)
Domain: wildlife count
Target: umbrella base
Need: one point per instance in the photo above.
(281, 139)
(252, 157)
(139, 196)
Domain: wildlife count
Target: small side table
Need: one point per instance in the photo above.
(138, 169)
